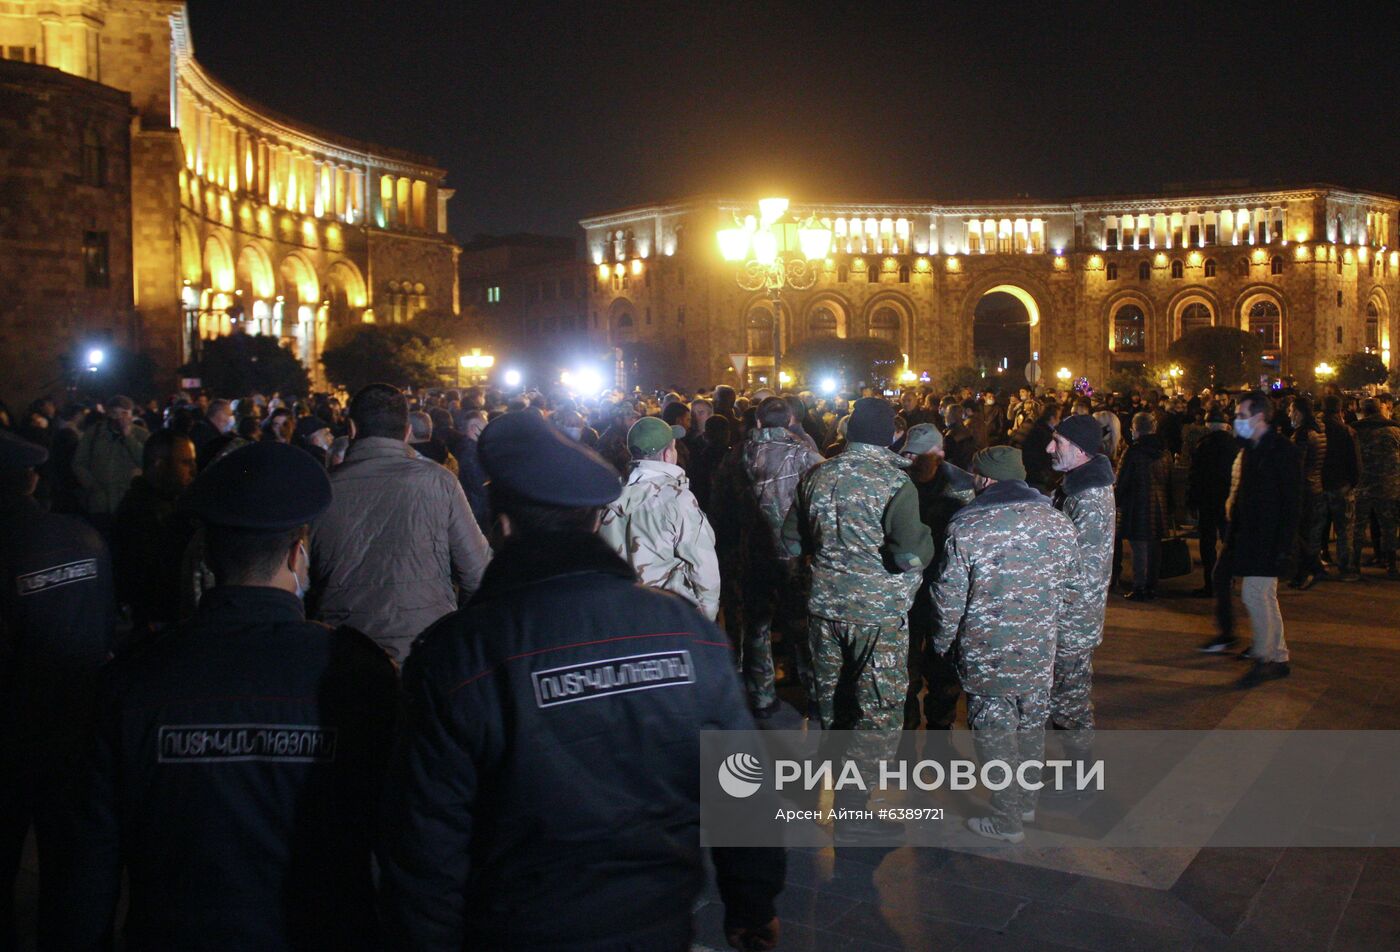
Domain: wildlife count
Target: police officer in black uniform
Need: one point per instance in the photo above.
(57, 615)
(544, 790)
(238, 756)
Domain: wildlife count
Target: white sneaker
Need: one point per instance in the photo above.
(985, 826)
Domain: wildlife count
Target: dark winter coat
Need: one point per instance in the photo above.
(1312, 443)
(1264, 516)
(1208, 485)
(536, 800)
(1341, 469)
(1144, 489)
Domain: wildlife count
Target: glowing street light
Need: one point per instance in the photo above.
(512, 379)
(828, 386)
(95, 356)
(1063, 374)
(476, 364)
(1324, 371)
(773, 252)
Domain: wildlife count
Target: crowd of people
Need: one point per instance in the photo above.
(381, 670)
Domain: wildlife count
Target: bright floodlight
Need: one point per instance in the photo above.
(828, 386)
(588, 381)
(95, 357)
(512, 378)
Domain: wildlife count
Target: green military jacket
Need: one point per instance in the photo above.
(1086, 496)
(856, 518)
(1011, 578)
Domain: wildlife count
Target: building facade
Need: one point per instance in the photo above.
(240, 219)
(1095, 285)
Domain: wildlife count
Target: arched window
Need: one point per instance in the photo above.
(1195, 315)
(1129, 330)
(872, 273)
(1276, 265)
(843, 274)
(1373, 327)
(904, 274)
(823, 323)
(1266, 321)
(1144, 270)
(884, 325)
(760, 331)
(1210, 267)
(1178, 269)
(1112, 271)
(1339, 264)
(94, 159)
(1242, 267)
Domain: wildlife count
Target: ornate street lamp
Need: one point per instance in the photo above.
(775, 251)
(476, 364)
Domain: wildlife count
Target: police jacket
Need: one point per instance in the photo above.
(544, 791)
(57, 615)
(233, 774)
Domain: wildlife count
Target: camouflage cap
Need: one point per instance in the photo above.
(999, 462)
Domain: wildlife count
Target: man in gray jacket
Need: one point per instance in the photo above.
(386, 555)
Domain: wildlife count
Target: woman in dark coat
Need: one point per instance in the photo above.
(1142, 492)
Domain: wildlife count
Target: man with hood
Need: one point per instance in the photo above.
(657, 526)
(1010, 581)
(856, 518)
(774, 460)
(1085, 495)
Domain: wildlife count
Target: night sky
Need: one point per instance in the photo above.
(545, 113)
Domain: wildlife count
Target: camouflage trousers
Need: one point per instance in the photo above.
(1010, 728)
(774, 597)
(1386, 511)
(860, 679)
(1072, 700)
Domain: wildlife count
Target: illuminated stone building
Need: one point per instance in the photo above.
(1091, 284)
(235, 216)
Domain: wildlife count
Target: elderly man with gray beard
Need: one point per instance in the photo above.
(1086, 496)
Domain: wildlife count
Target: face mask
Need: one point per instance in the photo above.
(1243, 430)
(306, 561)
(575, 432)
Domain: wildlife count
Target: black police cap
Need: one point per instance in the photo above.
(533, 459)
(266, 485)
(18, 453)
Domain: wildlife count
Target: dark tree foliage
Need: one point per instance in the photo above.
(1217, 357)
(240, 364)
(867, 360)
(1355, 371)
(399, 354)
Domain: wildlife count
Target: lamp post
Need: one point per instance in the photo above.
(476, 364)
(775, 251)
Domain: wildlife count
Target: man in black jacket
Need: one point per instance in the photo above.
(544, 789)
(1263, 516)
(57, 615)
(1208, 488)
(237, 757)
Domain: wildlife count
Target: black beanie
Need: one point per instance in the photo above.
(872, 421)
(1083, 431)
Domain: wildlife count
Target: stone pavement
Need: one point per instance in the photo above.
(1345, 643)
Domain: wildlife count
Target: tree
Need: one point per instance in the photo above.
(963, 376)
(240, 364)
(398, 354)
(1355, 371)
(864, 360)
(1217, 357)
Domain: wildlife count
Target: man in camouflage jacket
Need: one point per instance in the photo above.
(856, 518)
(657, 526)
(774, 460)
(1086, 496)
(1010, 580)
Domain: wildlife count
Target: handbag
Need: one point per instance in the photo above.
(1175, 559)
